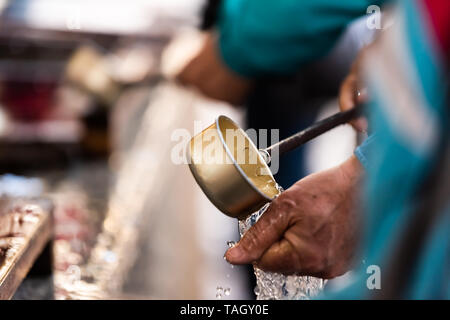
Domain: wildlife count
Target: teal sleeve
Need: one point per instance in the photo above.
(258, 37)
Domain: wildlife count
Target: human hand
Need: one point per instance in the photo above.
(209, 74)
(310, 229)
(353, 92)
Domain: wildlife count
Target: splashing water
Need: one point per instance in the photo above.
(231, 244)
(275, 286)
(219, 292)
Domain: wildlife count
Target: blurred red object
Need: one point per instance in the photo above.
(28, 100)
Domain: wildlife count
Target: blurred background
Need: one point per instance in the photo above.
(87, 112)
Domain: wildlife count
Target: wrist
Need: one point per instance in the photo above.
(352, 170)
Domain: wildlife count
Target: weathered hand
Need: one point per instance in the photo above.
(208, 73)
(310, 229)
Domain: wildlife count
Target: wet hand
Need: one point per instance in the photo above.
(310, 229)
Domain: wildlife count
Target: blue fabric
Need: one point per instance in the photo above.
(397, 168)
(362, 151)
(431, 277)
(260, 37)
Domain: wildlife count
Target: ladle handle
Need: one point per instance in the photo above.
(315, 130)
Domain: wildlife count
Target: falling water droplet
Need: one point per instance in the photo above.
(279, 188)
(231, 244)
(219, 291)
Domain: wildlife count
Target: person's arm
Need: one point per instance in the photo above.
(265, 37)
(207, 73)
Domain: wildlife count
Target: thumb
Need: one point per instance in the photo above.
(268, 230)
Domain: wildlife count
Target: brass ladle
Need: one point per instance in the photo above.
(236, 177)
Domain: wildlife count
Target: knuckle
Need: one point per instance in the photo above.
(251, 243)
(277, 214)
(285, 204)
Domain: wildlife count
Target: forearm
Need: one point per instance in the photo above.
(352, 170)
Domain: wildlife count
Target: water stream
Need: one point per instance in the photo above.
(275, 286)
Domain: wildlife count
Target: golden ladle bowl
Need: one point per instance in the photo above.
(230, 170)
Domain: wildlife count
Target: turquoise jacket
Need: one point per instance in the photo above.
(409, 113)
(261, 37)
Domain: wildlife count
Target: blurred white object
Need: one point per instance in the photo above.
(180, 51)
(331, 148)
(88, 69)
(132, 64)
(4, 122)
(64, 130)
(107, 16)
(17, 186)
